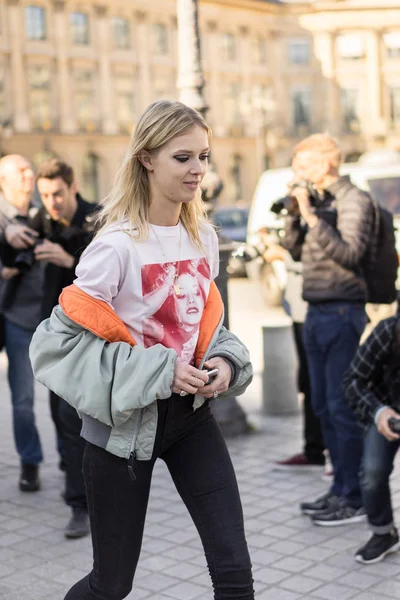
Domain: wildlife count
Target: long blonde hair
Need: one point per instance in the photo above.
(129, 199)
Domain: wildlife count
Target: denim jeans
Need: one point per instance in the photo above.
(20, 379)
(332, 333)
(68, 427)
(194, 450)
(377, 466)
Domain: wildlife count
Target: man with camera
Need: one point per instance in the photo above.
(329, 227)
(55, 238)
(20, 306)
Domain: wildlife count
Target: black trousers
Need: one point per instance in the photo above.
(314, 443)
(194, 450)
(68, 426)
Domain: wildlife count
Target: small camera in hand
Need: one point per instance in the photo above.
(394, 424)
(288, 205)
(25, 259)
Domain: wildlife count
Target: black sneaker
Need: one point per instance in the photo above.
(341, 515)
(377, 547)
(29, 479)
(78, 525)
(325, 502)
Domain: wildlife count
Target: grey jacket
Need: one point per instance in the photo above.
(85, 354)
(333, 252)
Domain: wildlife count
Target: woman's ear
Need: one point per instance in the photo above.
(145, 159)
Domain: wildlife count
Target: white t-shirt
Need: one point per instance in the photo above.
(158, 287)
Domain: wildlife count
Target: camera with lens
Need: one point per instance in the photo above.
(25, 259)
(288, 204)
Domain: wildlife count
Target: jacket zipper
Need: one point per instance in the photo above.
(132, 455)
(212, 342)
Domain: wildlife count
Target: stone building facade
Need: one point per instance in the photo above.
(76, 74)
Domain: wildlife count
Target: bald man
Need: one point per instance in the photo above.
(21, 293)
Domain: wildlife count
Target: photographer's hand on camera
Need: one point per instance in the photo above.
(304, 205)
(20, 237)
(55, 254)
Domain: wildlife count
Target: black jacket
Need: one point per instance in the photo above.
(333, 252)
(373, 379)
(73, 239)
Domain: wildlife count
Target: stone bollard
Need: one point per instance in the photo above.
(280, 371)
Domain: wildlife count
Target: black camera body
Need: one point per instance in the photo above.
(25, 259)
(288, 204)
(394, 424)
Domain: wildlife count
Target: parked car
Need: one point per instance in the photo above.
(232, 224)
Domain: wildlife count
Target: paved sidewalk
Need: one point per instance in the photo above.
(292, 559)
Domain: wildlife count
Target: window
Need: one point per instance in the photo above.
(392, 44)
(236, 175)
(350, 46)
(233, 108)
(395, 106)
(301, 107)
(160, 38)
(349, 101)
(35, 19)
(84, 100)
(39, 94)
(90, 177)
(259, 50)
(125, 102)
(229, 46)
(263, 103)
(121, 33)
(79, 28)
(299, 51)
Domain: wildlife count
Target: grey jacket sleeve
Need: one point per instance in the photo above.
(347, 244)
(104, 380)
(230, 347)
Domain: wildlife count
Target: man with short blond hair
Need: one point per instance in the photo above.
(329, 229)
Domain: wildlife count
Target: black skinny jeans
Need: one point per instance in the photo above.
(194, 450)
(68, 427)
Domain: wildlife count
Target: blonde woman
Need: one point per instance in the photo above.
(139, 398)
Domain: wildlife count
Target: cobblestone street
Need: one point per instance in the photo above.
(292, 559)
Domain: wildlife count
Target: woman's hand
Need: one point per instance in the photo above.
(188, 379)
(221, 382)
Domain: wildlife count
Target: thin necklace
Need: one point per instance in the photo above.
(175, 285)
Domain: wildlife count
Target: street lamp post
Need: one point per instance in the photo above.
(229, 413)
(190, 73)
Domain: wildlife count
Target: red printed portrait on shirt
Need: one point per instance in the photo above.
(175, 294)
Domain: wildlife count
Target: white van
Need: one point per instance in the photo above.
(377, 172)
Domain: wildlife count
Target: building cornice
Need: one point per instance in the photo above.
(340, 6)
(253, 5)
